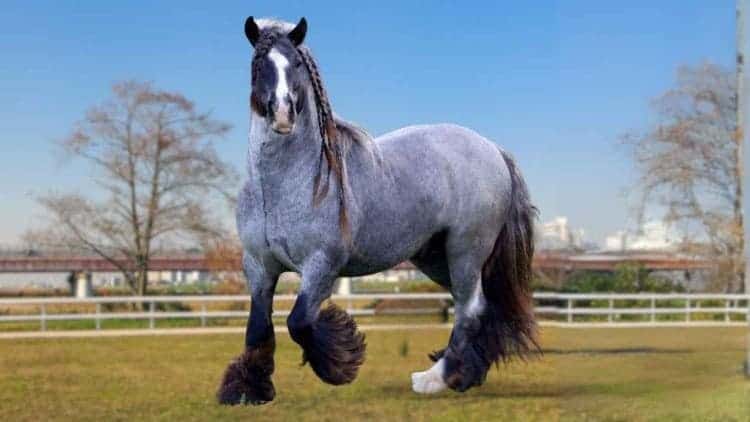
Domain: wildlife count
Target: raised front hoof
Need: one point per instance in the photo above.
(247, 380)
(338, 348)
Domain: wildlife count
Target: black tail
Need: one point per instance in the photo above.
(508, 322)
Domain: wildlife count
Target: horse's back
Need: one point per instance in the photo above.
(440, 135)
(455, 162)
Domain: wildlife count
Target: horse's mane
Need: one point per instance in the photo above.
(337, 134)
(350, 132)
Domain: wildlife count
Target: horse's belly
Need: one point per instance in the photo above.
(359, 266)
(384, 251)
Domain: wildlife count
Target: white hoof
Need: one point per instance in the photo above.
(429, 381)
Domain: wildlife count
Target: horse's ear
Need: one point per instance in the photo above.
(251, 30)
(297, 35)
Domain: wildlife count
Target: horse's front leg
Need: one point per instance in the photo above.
(329, 337)
(247, 379)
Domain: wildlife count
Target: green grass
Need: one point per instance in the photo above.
(585, 374)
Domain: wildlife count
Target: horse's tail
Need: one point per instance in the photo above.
(509, 322)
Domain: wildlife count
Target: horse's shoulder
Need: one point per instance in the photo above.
(248, 196)
(250, 217)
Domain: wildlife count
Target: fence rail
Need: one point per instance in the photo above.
(562, 309)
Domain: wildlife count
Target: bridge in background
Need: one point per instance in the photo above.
(62, 263)
(543, 261)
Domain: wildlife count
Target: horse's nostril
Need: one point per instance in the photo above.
(282, 128)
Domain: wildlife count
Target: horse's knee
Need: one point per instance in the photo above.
(298, 322)
(297, 326)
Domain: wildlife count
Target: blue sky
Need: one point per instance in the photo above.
(553, 82)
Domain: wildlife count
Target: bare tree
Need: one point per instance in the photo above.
(687, 165)
(224, 259)
(154, 159)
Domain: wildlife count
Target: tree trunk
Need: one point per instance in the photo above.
(141, 281)
(141, 277)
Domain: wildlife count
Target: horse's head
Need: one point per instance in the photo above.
(278, 73)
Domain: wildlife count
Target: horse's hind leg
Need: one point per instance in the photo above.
(462, 363)
(494, 307)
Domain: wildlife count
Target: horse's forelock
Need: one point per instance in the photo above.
(265, 24)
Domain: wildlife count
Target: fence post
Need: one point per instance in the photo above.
(570, 310)
(43, 317)
(687, 310)
(98, 314)
(151, 314)
(345, 289)
(610, 315)
(653, 309)
(203, 314)
(727, 302)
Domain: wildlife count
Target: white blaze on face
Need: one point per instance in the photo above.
(281, 63)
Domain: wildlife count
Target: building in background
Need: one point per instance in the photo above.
(653, 236)
(556, 234)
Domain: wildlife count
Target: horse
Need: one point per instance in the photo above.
(326, 200)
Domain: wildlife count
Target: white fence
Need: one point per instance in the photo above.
(556, 309)
(646, 309)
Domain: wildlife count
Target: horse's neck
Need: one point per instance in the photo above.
(283, 153)
(284, 166)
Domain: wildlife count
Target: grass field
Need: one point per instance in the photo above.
(585, 374)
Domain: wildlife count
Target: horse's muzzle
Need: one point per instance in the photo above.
(282, 129)
(282, 115)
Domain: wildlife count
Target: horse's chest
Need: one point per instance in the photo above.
(284, 231)
(281, 238)
(293, 233)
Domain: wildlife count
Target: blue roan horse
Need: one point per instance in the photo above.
(325, 200)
